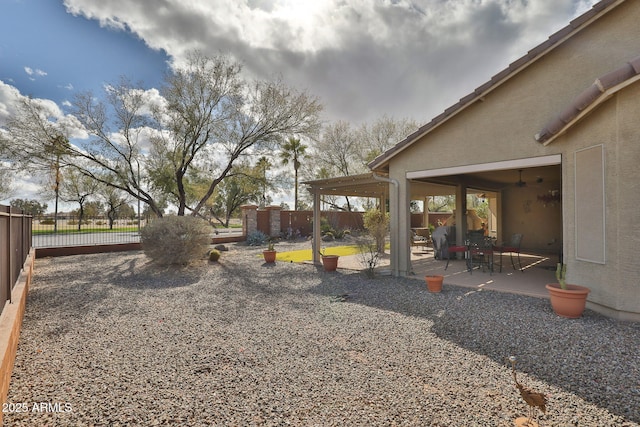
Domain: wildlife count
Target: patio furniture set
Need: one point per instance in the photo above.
(478, 250)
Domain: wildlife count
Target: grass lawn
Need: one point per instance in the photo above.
(306, 255)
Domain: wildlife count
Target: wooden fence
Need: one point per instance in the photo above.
(16, 270)
(15, 244)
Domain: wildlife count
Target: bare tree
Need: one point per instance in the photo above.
(337, 150)
(118, 128)
(78, 188)
(212, 118)
(114, 202)
(337, 153)
(381, 135)
(206, 119)
(267, 112)
(343, 150)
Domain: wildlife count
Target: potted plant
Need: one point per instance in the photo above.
(269, 254)
(330, 262)
(567, 300)
(434, 283)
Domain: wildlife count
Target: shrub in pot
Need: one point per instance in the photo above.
(269, 254)
(434, 283)
(330, 262)
(567, 300)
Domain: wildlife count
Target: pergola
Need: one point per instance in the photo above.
(363, 185)
(370, 185)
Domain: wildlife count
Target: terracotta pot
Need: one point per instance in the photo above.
(269, 256)
(330, 262)
(568, 302)
(434, 283)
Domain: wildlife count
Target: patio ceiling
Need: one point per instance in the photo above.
(365, 185)
(495, 180)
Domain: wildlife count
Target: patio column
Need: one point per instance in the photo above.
(315, 242)
(396, 227)
(425, 211)
(400, 238)
(461, 213)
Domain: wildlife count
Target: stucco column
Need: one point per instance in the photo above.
(402, 252)
(461, 213)
(249, 219)
(315, 242)
(425, 211)
(274, 220)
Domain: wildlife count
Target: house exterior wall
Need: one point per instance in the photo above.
(502, 127)
(623, 190)
(615, 285)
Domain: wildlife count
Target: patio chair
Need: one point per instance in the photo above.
(420, 241)
(480, 251)
(513, 247)
(448, 249)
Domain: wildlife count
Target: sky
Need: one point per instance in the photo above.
(362, 58)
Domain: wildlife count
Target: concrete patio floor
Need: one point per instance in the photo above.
(538, 270)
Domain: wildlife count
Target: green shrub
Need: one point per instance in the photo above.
(214, 255)
(328, 236)
(257, 238)
(47, 222)
(176, 239)
(338, 234)
(325, 226)
(377, 224)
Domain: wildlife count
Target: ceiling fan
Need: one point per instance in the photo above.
(520, 182)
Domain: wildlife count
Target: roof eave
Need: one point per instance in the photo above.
(564, 128)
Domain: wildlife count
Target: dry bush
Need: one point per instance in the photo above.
(176, 239)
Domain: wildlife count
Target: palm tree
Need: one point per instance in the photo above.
(56, 147)
(293, 151)
(263, 165)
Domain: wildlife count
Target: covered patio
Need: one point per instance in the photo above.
(538, 270)
(538, 265)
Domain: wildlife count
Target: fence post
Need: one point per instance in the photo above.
(274, 220)
(9, 252)
(249, 219)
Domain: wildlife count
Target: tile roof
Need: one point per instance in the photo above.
(518, 65)
(599, 91)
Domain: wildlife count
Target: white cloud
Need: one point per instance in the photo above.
(362, 57)
(9, 97)
(37, 72)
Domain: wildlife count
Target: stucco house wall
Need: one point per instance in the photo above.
(501, 126)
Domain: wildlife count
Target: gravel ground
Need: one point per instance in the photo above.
(112, 340)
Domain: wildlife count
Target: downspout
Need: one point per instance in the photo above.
(393, 238)
(385, 179)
